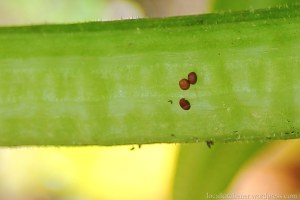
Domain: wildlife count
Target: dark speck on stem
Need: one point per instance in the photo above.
(209, 143)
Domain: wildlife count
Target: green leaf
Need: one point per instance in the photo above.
(108, 83)
(248, 4)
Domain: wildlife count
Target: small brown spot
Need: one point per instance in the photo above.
(184, 104)
(209, 143)
(192, 77)
(184, 84)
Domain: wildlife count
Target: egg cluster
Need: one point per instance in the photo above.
(184, 84)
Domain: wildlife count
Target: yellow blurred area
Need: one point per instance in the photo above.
(88, 172)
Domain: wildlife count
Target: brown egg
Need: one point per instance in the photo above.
(184, 84)
(192, 77)
(184, 104)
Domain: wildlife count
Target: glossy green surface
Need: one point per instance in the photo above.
(109, 83)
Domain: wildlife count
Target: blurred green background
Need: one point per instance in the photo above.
(152, 172)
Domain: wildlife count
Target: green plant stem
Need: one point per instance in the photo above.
(109, 83)
(201, 170)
